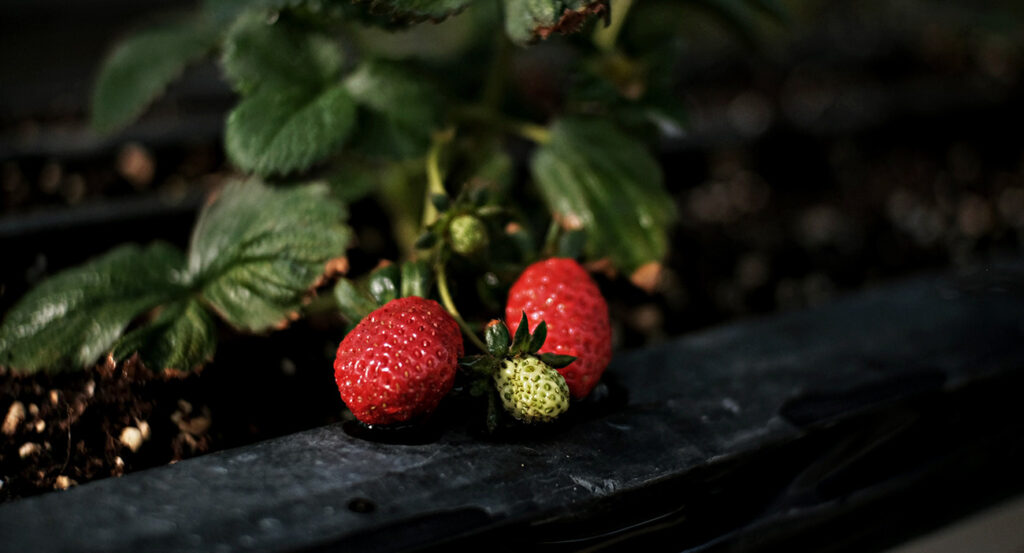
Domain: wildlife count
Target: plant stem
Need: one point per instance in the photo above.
(435, 182)
(551, 239)
(488, 117)
(446, 300)
(605, 38)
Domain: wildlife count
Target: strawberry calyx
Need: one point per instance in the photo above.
(501, 346)
(461, 223)
(488, 371)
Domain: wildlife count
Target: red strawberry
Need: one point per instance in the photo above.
(399, 361)
(561, 293)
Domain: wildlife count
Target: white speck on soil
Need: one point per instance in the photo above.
(15, 414)
(63, 483)
(27, 449)
(131, 438)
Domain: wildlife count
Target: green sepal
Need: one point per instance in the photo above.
(416, 279)
(353, 303)
(479, 196)
(539, 335)
(441, 202)
(521, 341)
(425, 241)
(490, 211)
(556, 360)
(383, 283)
(497, 339)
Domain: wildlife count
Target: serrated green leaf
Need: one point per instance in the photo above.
(141, 67)
(256, 251)
(417, 10)
(416, 279)
(593, 175)
(529, 20)
(400, 111)
(353, 303)
(182, 337)
(258, 53)
(74, 317)
(279, 130)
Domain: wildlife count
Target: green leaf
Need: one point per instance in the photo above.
(225, 11)
(418, 10)
(256, 251)
(258, 53)
(279, 130)
(529, 20)
(181, 337)
(400, 110)
(593, 175)
(497, 339)
(353, 303)
(74, 317)
(141, 67)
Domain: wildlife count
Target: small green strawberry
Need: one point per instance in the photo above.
(531, 390)
(460, 225)
(468, 234)
(525, 382)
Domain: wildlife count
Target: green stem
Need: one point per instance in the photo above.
(551, 239)
(488, 117)
(435, 182)
(446, 300)
(605, 38)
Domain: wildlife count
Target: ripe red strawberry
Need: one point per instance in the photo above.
(399, 361)
(561, 293)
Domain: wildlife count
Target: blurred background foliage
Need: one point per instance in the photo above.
(811, 147)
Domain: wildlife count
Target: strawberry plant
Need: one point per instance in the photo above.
(481, 176)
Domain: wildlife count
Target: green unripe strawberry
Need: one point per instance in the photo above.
(468, 234)
(531, 390)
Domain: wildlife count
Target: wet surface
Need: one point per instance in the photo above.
(795, 427)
